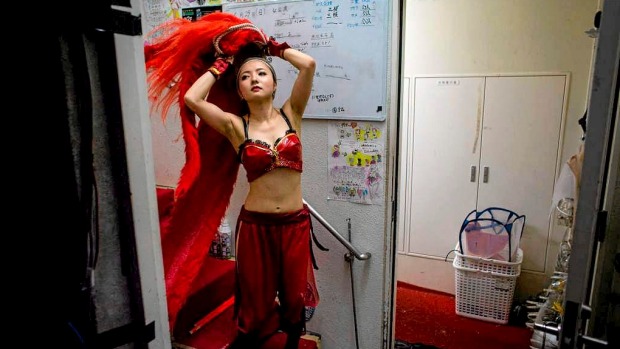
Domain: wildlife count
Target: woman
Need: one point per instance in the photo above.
(273, 229)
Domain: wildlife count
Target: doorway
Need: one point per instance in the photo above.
(463, 55)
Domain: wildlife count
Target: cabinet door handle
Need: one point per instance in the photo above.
(472, 174)
(485, 174)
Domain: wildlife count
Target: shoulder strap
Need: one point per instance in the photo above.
(245, 127)
(287, 120)
(242, 145)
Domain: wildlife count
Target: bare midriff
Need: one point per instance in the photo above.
(277, 191)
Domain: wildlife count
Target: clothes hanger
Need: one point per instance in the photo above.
(582, 123)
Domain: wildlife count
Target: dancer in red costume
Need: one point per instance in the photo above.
(225, 59)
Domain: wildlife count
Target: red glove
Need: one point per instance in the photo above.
(275, 48)
(219, 66)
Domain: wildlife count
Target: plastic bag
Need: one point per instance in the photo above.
(493, 233)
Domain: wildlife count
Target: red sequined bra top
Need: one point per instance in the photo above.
(258, 157)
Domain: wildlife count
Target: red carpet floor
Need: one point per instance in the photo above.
(428, 317)
(221, 331)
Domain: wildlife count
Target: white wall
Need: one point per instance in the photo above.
(501, 36)
(168, 148)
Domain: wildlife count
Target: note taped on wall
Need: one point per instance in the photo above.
(349, 41)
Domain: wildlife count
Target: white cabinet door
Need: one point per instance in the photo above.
(520, 140)
(509, 126)
(446, 145)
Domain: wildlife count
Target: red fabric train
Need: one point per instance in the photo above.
(177, 53)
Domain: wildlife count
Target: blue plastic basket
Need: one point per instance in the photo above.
(493, 233)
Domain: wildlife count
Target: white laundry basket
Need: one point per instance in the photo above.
(485, 287)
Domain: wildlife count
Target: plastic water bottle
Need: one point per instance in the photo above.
(224, 233)
(215, 250)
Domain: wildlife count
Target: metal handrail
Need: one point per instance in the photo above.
(332, 230)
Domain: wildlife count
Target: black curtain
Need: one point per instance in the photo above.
(78, 221)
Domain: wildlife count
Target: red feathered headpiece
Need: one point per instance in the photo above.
(178, 52)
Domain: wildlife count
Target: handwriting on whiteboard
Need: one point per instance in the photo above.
(348, 41)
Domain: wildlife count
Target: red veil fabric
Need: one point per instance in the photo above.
(177, 53)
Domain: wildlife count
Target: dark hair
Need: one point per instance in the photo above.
(254, 49)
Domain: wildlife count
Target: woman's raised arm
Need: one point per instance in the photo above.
(196, 99)
(302, 87)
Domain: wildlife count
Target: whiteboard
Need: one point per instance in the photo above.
(348, 40)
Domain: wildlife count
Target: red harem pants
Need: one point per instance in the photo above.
(273, 257)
